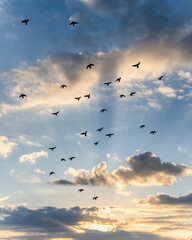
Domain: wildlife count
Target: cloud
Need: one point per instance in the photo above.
(167, 91)
(145, 169)
(6, 147)
(76, 223)
(32, 157)
(23, 140)
(166, 199)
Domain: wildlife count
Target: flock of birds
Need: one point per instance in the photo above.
(89, 66)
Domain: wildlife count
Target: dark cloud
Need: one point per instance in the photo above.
(61, 223)
(166, 199)
(144, 169)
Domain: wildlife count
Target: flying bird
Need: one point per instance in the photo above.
(23, 95)
(136, 65)
(153, 132)
(96, 143)
(71, 158)
(109, 134)
(55, 113)
(63, 86)
(100, 129)
(77, 98)
(81, 190)
(142, 126)
(88, 95)
(63, 159)
(132, 93)
(84, 133)
(160, 77)
(103, 110)
(52, 148)
(51, 173)
(95, 198)
(73, 23)
(90, 65)
(118, 79)
(25, 21)
(107, 83)
(122, 95)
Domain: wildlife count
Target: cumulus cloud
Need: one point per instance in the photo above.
(23, 140)
(32, 157)
(166, 199)
(6, 147)
(144, 169)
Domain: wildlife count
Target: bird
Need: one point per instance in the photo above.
(109, 134)
(71, 158)
(153, 132)
(122, 95)
(51, 173)
(81, 190)
(77, 98)
(23, 95)
(136, 65)
(132, 93)
(160, 77)
(107, 83)
(55, 113)
(95, 198)
(63, 86)
(118, 79)
(88, 95)
(25, 21)
(84, 133)
(90, 65)
(73, 23)
(142, 126)
(63, 159)
(96, 143)
(103, 110)
(52, 148)
(100, 129)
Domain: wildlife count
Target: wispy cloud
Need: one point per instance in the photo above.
(6, 146)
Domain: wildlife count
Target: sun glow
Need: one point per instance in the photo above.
(99, 227)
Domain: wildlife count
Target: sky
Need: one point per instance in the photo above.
(142, 180)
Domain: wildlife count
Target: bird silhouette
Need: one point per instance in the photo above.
(103, 110)
(160, 77)
(122, 95)
(100, 129)
(96, 143)
(25, 21)
(88, 95)
(109, 134)
(56, 113)
(84, 133)
(136, 65)
(51, 173)
(63, 86)
(73, 23)
(23, 95)
(71, 158)
(118, 79)
(107, 83)
(52, 148)
(90, 65)
(63, 159)
(153, 132)
(77, 98)
(142, 126)
(132, 93)
(81, 190)
(95, 198)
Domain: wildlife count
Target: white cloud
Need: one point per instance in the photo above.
(167, 91)
(6, 147)
(23, 140)
(31, 180)
(37, 170)
(32, 157)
